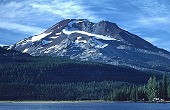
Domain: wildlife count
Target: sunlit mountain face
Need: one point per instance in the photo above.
(102, 42)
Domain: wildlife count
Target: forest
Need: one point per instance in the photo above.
(106, 90)
(23, 77)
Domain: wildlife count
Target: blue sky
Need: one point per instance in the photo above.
(149, 19)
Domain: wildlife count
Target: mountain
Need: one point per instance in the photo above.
(102, 42)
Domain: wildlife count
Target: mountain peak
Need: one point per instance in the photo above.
(107, 28)
(64, 23)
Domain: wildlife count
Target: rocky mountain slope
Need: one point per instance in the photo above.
(102, 42)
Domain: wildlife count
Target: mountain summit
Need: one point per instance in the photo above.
(102, 42)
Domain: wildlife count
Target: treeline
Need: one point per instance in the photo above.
(65, 91)
(106, 90)
(154, 90)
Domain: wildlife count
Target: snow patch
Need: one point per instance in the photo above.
(88, 34)
(21, 41)
(99, 44)
(70, 24)
(10, 47)
(58, 33)
(24, 42)
(123, 47)
(44, 42)
(54, 37)
(67, 32)
(84, 20)
(79, 40)
(39, 37)
(25, 50)
(79, 21)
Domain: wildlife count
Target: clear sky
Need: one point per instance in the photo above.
(149, 19)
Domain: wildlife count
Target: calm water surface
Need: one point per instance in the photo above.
(85, 106)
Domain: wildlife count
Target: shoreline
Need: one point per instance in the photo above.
(81, 101)
(44, 101)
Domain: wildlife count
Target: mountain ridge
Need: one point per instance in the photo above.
(102, 42)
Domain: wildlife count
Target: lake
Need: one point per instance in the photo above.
(85, 106)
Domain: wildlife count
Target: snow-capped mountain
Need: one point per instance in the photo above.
(102, 42)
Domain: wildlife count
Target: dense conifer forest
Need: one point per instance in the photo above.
(23, 77)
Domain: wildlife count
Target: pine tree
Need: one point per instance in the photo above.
(133, 94)
(160, 91)
(164, 87)
(168, 90)
(152, 88)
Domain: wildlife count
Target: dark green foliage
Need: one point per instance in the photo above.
(158, 89)
(65, 91)
(168, 90)
(40, 70)
(164, 87)
(23, 77)
(152, 88)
